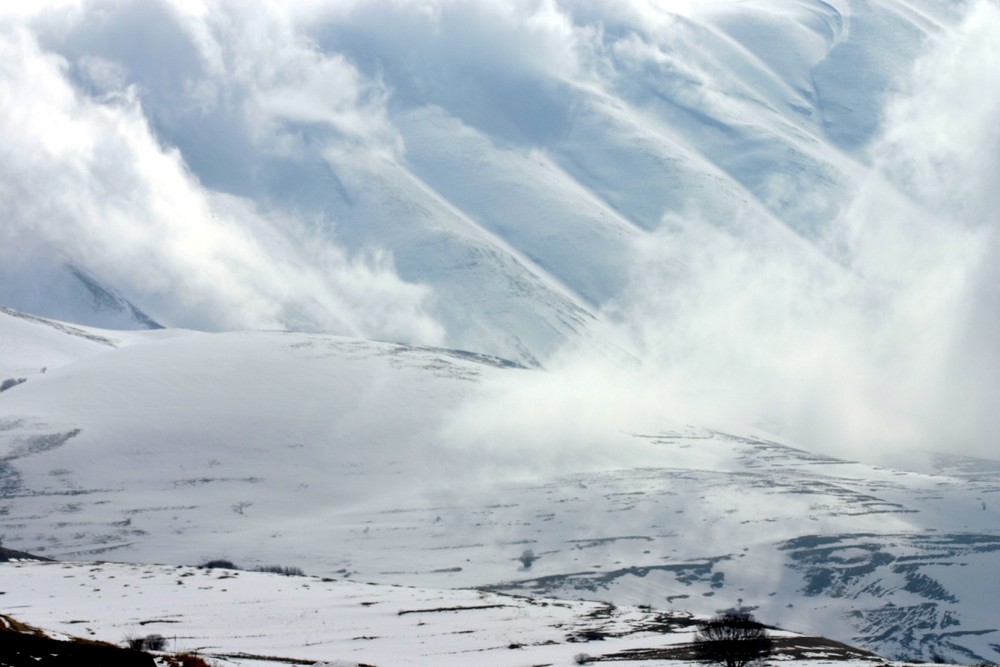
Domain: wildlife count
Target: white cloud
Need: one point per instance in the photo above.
(20, 11)
(86, 179)
(869, 359)
(256, 58)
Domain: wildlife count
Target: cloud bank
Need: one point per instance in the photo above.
(87, 180)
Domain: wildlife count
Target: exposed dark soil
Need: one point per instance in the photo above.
(24, 646)
(793, 648)
(11, 554)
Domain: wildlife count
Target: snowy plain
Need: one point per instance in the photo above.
(249, 618)
(339, 456)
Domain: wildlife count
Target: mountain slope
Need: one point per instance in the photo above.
(70, 293)
(514, 183)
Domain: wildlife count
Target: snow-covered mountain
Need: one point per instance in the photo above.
(71, 293)
(777, 204)
(250, 165)
(350, 458)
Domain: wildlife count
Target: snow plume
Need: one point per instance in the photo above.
(878, 338)
(942, 149)
(84, 177)
(901, 351)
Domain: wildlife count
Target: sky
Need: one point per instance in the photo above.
(163, 144)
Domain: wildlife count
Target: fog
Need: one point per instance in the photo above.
(165, 147)
(85, 178)
(884, 340)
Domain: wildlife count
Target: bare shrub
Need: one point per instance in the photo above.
(147, 643)
(733, 640)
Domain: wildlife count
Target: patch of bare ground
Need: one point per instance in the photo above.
(270, 658)
(23, 645)
(185, 660)
(10, 554)
(783, 648)
(403, 612)
(598, 624)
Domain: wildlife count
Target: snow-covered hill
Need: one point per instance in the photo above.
(349, 458)
(250, 618)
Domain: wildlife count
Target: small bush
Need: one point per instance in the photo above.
(527, 557)
(220, 563)
(733, 639)
(147, 643)
(11, 382)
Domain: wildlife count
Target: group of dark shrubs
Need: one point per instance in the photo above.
(223, 564)
(147, 643)
(280, 569)
(158, 643)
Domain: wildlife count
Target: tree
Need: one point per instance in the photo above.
(732, 639)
